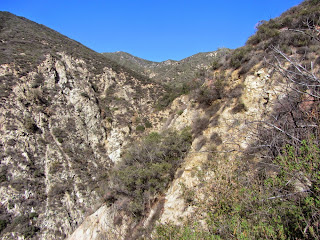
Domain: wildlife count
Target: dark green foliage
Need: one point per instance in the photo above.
(280, 31)
(140, 128)
(265, 31)
(172, 91)
(38, 81)
(206, 95)
(240, 56)
(240, 107)
(60, 134)
(29, 231)
(6, 84)
(85, 95)
(30, 125)
(215, 64)
(147, 123)
(24, 225)
(3, 224)
(180, 112)
(199, 125)
(3, 174)
(236, 92)
(148, 167)
(215, 138)
(33, 215)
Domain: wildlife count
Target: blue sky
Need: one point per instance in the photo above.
(156, 30)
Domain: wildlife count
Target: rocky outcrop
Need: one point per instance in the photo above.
(62, 129)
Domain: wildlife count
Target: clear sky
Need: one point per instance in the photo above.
(156, 30)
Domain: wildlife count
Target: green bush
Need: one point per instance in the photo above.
(38, 81)
(147, 123)
(3, 224)
(240, 107)
(172, 91)
(265, 31)
(239, 56)
(199, 125)
(140, 128)
(30, 125)
(60, 134)
(85, 95)
(148, 167)
(180, 111)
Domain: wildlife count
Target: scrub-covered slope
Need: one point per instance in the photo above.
(65, 114)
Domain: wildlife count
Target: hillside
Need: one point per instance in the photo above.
(66, 112)
(220, 145)
(169, 70)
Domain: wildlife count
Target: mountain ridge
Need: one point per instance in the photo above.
(169, 70)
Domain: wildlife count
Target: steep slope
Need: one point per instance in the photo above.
(66, 113)
(75, 163)
(250, 174)
(170, 70)
(253, 168)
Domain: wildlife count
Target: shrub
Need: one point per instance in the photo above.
(180, 111)
(3, 224)
(265, 31)
(215, 138)
(25, 226)
(236, 91)
(206, 95)
(140, 128)
(215, 64)
(240, 107)
(30, 125)
(148, 167)
(239, 56)
(60, 134)
(213, 109)
(201, 142)
(38, 80)
(109, 119)
(214, 121)
(147, 123)
(187, 193)
(248, 66)
(172, 91)
(199, 125)
(29, 231)
(3, 175)
(85, 95)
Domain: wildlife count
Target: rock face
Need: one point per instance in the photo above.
(62, 127)
(49, 133)
(56, 143)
